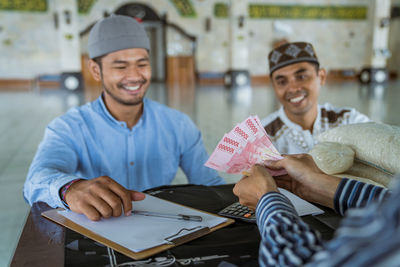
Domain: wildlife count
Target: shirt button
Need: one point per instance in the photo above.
(122, 125)
(131, 163)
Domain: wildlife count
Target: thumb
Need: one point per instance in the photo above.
(259, 169)
(137, 196)
(274, 164)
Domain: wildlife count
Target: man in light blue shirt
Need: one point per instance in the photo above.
(92, 158)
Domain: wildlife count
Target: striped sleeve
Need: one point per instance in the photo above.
(355, 194)
(368, 236)
(286, 239)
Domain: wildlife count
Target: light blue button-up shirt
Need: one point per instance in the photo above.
(88, 142)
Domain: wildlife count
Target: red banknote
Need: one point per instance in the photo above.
(245, 145)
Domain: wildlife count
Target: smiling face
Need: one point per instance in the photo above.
(125, 76)
(297, 87)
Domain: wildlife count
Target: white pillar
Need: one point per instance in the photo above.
(375, 70)
(238, 74)
(380, 34)
(68, 35)
(68, 38)
(239, 48)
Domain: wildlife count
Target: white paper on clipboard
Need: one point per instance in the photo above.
(138, 232)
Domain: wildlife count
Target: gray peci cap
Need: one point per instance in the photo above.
(115, 33)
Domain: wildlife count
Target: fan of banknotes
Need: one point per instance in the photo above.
(245, 145)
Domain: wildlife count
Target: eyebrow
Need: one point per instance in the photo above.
(299, 71)
(146, 59)
(119, 61)
(279, 77)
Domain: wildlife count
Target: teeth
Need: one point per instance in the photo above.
(132, 88)
(297, 99)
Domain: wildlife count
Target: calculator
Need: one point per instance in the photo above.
(239, 212)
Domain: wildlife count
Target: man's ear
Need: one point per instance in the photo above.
(95, 70)
(322, 75)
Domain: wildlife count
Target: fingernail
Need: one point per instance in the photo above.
(129, 213)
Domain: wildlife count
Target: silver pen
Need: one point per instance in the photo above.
(170, 216)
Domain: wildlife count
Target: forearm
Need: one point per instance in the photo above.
(355, 194)
(285, 237)
(53, 166)
(322, 190)
(43, 184)
(194, 169)
(192, 163)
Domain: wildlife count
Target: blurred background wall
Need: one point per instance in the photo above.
(195, 33)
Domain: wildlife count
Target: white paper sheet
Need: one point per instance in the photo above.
(301, 206)
(138, 232)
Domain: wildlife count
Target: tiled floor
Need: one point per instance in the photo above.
(23, 117)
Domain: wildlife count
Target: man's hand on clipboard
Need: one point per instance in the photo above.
(101, 197)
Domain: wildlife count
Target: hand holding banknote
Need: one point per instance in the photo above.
(250, 189)
(245, 145)
(305, 179)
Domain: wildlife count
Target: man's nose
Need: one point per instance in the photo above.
(293, 85)
(133, 73)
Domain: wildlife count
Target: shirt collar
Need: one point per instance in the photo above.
(317, 123)
(287, 121)
(107, 113)
(292, 125)
(104, 109)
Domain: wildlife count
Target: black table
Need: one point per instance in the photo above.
(43, 243)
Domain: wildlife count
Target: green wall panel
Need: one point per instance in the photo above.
(257, 11)
(221, 10)
(84, 6)
(184, 7)
(24, 5)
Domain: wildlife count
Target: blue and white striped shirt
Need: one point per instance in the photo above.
(369, 235)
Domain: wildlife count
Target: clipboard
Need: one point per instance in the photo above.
(173, 240)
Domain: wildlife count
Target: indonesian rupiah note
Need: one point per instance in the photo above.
(245, 145)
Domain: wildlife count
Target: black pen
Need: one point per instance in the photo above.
(170, 216)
